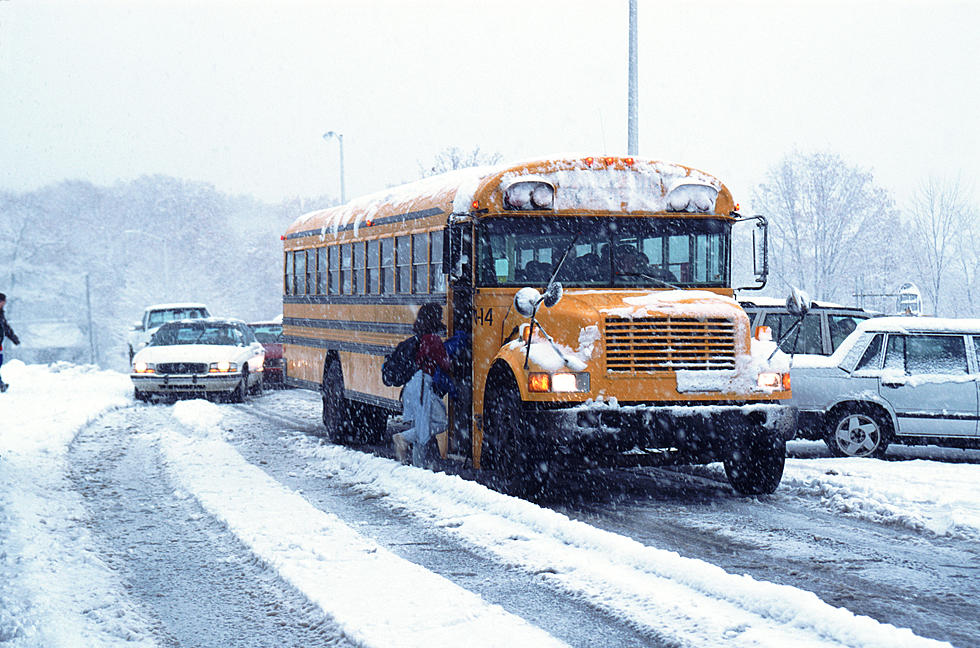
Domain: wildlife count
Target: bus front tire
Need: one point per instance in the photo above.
(755, 466)
(506, 451)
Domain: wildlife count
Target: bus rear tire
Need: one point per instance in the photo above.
(518, 470)
(755, 466)
(336, 416)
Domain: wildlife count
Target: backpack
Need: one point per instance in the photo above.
(400, 365)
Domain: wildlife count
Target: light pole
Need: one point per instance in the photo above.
(633, 138)
(340, 138)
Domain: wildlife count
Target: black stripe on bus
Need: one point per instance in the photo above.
(397, 218)
(376, 300)
(339, 345)
(370, 399)
(348, 325)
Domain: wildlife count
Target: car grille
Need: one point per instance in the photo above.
(669, 343)
(182, 368)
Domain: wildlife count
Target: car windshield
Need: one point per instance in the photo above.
(198, 333)
(615, 252)
(161, 317)
(268, 333)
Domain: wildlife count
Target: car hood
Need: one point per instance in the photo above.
(189, 353)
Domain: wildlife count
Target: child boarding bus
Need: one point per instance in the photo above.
(595, 300)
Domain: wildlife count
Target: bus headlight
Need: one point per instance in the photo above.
(773, 380)
(558, 382)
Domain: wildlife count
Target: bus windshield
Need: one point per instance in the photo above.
(613, 252)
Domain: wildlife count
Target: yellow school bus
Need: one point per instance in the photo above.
(594, 303)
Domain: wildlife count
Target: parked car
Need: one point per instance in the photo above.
(823, 329)
(157, 315)
(209, 356)
(893, 380)
(270, 335)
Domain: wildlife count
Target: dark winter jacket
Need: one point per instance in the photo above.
(5, 330)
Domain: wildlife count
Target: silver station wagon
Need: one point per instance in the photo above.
(893, 380)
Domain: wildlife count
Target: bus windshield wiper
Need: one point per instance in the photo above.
(649, 277)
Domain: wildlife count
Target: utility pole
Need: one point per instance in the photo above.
(633, 144)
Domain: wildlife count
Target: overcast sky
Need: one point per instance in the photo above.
(240, 93)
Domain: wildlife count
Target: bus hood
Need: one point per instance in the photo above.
(576, 322)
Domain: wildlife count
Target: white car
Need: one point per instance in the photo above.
(893, 380)
(210, 356)
(157, 315)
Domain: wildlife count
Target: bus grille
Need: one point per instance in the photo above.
(669, 343)
(182, 368)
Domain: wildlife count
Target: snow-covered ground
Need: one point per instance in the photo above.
(56, 591)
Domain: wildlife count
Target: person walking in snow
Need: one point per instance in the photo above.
(5, 331)
(420, 405)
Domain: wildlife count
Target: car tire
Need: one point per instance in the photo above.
(336, 416)
(858, 431)
(755, 466)
(141, 396)
(240, 393)
(517, 469)
(259, 386)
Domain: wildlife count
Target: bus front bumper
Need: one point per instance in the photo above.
(703, 430)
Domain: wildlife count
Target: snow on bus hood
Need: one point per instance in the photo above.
(590, 307)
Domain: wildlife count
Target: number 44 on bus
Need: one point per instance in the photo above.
(596, 298)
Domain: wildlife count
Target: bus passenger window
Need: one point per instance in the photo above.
(437, 280)
(387, 266)
(287, 275)
(403, 262)
(301, 272)
(420, 263)
(334, 254)
(321, 271)
(345, 270)
(359, 268)
(373, 267)
(311, 272)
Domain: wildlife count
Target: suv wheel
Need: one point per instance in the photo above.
(857, 431)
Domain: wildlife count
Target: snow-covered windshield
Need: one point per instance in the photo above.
(620, 252)
(198, 333)
(160, 317)
(268, 333)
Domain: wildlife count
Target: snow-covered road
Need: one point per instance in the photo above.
(322, 539)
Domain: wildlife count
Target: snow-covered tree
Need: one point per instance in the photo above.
(830, 222)
(453, 157)
(942, 239)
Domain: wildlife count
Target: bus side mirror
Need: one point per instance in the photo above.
(760, 250)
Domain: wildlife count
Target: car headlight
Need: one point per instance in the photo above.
(558, 382)
(223, 366)
(144, 367)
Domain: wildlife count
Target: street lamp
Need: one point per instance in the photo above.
(340, 138)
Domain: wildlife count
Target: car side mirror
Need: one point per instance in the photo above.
(137, 326)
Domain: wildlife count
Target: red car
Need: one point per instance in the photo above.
(270, 335)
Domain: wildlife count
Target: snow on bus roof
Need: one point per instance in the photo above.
(582, 181)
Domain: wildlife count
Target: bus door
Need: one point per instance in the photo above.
(457, 256)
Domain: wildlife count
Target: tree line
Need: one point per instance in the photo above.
(834, 232)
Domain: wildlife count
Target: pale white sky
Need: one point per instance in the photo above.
(239, 93)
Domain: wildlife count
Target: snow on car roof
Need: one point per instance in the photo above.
(175, 305)
(774, 302)
(197, 321)
(917, 324)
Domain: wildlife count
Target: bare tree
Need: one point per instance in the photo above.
(940, 219)
(827, 218)
(453, 157)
